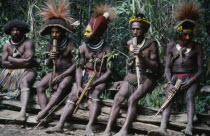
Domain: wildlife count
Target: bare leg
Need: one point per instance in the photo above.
(68, 111)
(56, 96)
(25, 92)
(41, 87)
(190, 96)
(144, 88)
(94, 108)
(119, 98)
(162, 131)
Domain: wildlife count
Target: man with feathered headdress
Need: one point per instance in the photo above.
(19, 63)
(141, 68)
(92, 54)
(58, 22)
(184, 62)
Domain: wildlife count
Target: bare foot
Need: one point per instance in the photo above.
(55, 129)
(121, 133)
(21, 117)
(89, 131)
(187, 130)
(158, 132)
(40, 116)
(107, 134)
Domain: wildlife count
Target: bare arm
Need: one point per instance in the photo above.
(29, 53)
(73, 66)
(5, 62)
(168, 63)
(79, 69)
(49, 60)
(199, 62)
(153, 61)
(106, 75)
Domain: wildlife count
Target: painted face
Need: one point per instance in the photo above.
(137, 30)
(56, 33)
(88, 31)
(16, 33)
(187, 35)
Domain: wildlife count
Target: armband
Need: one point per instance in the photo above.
(193, 78)
(169, 82)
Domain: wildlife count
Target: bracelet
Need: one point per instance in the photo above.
(169, 82)
(193, 78)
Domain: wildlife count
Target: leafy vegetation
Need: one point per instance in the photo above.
(159, 12)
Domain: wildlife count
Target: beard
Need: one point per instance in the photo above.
(17, 37)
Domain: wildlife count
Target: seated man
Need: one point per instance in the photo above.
(183, 61)
(92, 54)
(146, 50)
(60, 59)
(18, 62)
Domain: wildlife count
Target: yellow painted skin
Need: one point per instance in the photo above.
(88, 31)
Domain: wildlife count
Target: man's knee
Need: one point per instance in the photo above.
(24, 83)
(73, 97)
(132, 100)
(63, 86)
(124, 85)
(40, 88)
(96, 94)
(119, 98)
(190, 97)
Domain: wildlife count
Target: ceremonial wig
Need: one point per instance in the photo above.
(56, 15)
(23, 26)
(140, 18)
(103, 15)
(188, 13)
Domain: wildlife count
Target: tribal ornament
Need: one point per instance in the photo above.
(138, 19)
(188, 13)
(103, 14)
(95, 48)
(57, 15)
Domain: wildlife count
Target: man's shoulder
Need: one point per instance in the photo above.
(195, 44)
(149, 43)
(171, 44)
(107, 47)
(28, 41)
(71, 43)
(83, 47)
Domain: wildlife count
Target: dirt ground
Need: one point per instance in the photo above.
(15, 130)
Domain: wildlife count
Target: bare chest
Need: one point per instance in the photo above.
(13, 49)
(145, 52)
(187, 53)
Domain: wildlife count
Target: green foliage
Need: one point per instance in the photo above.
(76, 56)
(159, 12)
(110, 57)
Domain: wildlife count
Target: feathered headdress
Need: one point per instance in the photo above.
(139, 18)
(56, 15)
(188, 14)
(103, 14)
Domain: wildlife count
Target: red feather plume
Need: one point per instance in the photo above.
(188, 10)
(51, 10)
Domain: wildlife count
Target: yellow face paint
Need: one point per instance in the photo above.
(88, 31)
